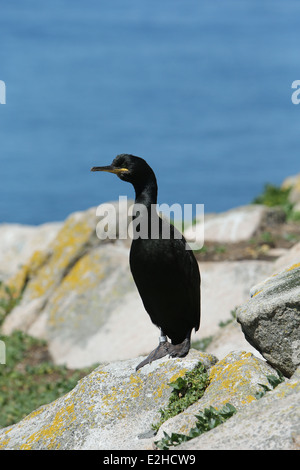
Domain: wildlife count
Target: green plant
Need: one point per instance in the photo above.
(208, 419)
(202, 250)
(202, 344)
(273, 196)
(230, 320)
(186, 390)
(8, 300)
(277, 196)
(273, 381)
(27, 383)
(267, 237)
(294, 216)
(220, 248)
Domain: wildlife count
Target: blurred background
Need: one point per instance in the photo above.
(200, 89)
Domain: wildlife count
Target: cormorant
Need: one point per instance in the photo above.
(165, 270)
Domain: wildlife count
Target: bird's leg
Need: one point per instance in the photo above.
(181, 349)
(161, 351)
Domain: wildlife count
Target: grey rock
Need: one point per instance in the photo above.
(293, 182)
(232, 226)
(79, 295)
(18, 243)
(111, 408)
(114, 407)
(235, 380)
(270, 320)
(270, 423)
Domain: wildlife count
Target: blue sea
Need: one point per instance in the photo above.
(200, 89)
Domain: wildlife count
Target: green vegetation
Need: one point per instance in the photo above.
(273, 381)
(230, 320)
(8, 300)
(275, 196)
(208, 419)
(186, 391)
(28, 381)
(217, 248)
(202, 344)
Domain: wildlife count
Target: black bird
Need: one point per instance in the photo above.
(164, 269)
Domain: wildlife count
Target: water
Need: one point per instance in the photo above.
(201, 90)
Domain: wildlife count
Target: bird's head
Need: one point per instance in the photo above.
(129, 168)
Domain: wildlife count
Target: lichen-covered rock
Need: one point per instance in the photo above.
(85, 304)
(109, 409)
(114, 408)
(50, 263)
(19, 242)
(47, 269)
(270, 320)
(91, 300)
(234, 379)
(270, 423)
(77, 290)
(287, 259)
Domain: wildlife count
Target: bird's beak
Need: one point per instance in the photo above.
(109, 169)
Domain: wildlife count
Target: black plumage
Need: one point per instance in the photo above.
(165, 271)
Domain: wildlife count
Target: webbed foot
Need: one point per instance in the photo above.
(181, 349)
(161, 351)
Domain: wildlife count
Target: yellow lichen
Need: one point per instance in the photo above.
(256, 293)
(84, 276)
(294, 266)
(248, 399)
(17, 283)
(49, 434)
(25, 447)
(4, 442)
(50, 266)
(231, 376)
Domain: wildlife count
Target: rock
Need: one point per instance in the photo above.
(79, 295)
(233, 380)
(114, 407)
(288, 258)
(270, 423)
(270, 320)
(89, 316)
(293, 182)
(108, 409)
(232, 226)
(19, 242)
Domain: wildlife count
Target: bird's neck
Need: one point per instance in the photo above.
(146, 194)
